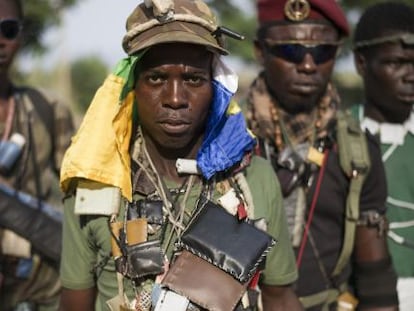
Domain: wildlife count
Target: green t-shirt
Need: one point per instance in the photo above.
(86, 244)
(400, 203)
(399, 170)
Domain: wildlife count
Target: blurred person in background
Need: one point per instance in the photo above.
(383, 45)
(331, 173)
(34, 133)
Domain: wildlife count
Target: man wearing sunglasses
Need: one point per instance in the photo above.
(384, 58)
(34, 133)
(331, 174)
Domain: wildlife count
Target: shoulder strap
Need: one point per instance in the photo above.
(355, 161)
(44, 109)
(42, 106)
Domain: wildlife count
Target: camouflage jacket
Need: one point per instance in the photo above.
(47, 138)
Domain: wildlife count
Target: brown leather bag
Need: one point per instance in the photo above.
(203, 283)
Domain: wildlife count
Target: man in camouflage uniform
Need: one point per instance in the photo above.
(28, 281)
(161, 144)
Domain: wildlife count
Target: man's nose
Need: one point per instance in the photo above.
(176, 95)
(307, 64)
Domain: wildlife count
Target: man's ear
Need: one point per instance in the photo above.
(258, 51)
(360, 63)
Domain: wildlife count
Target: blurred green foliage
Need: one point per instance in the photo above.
(87, 74)
(40, 15)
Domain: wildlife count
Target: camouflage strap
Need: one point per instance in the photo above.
(44, 110)
(351, 218)
(355, 161)
(324, 298)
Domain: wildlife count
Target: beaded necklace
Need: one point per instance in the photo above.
(281, 132)
(267, 120)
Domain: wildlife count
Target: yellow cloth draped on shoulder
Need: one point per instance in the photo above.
(99, 150)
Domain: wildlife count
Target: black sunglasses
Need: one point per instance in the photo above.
(295, 52)
(10, 28)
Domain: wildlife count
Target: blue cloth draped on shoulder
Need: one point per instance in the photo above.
(100, 149)
(227, 138)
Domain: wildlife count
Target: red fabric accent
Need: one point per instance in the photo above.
(245, 161)
(312, 210)
(273, 10)
(255, 280)
(241, 211)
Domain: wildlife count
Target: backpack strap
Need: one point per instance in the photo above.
(43, 107)
(355, 161)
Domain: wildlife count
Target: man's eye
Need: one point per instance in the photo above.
(155, 78)
(395, 63)
(195, 79)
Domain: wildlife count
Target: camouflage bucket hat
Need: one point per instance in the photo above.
(166, 21)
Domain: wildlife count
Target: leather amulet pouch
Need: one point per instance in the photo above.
(145, 259)
(235, 246)
(151, 210)
(203, 283)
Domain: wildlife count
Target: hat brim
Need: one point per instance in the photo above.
(175, 32)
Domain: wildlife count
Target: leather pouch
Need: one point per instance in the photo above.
(149, 209)
(203, 283)
(145, 259)
(218, 237)
(136, 231)
(116, 228)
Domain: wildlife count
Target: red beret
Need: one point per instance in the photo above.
(278, 10)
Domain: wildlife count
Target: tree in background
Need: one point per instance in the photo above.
(238, 15)
(87, 75)
(40, 15)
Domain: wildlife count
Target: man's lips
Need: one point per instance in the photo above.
(407, 97)
(304, 88)
(406, 94)
(174, 126)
